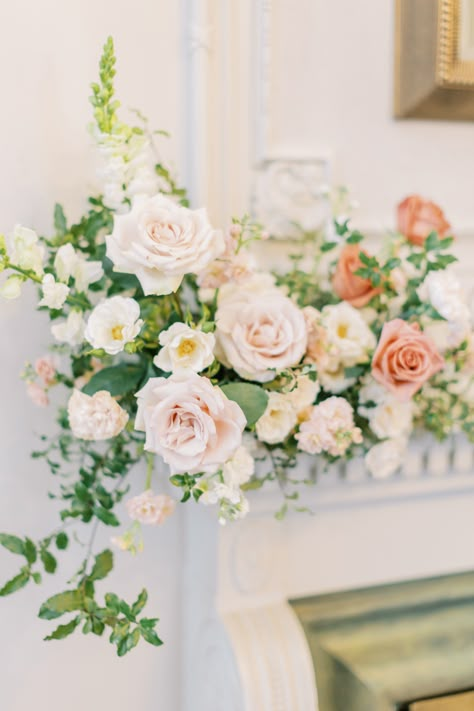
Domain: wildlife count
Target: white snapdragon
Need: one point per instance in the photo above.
(68, 263)
(27, 253)
(185, 349)
(113, 323)
(54, 293)
(70, 331)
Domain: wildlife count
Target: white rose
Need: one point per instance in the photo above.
(185, 349)
(68, 263)
(384, 458)
(239, 469)
(278, 420)
(444, 292)
(71, 330)
(54, 294)
(160, 241)
(27, 252)
(189, 422)
(259, 335)
(350, 338)
(113, 323)
(95, 417)
(11, 288)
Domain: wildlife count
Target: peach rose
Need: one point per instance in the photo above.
(189, 422)
(404, 358)
(347, 285)
(418, 217)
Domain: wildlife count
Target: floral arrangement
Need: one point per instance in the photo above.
(170, 342)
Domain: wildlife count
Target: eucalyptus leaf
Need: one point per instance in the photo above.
(252, 399)
(117, 380)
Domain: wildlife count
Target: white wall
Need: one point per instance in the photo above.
(48, 56)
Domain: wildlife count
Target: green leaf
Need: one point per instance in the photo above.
(117, 380)
(49, 561)
(128, 643)
(60, 222)
(431, 242)
(354, 371)
(252, 399)
(16, 583)
(107, 517)
(140, 603)
(104, 562)
(64, 630)
(355, 238)
(328, 246)
(30, 551)
(62, 541)
(57, 605)
(12, 544)
(150, 636)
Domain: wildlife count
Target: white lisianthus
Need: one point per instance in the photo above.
(27, 252)
(184, 349)
(54, 293)
(71, 330)
(160, 241)
(239, 469)
(68, 263)
(383, 459)
(95, 417)
(350, 338)
(11, 288)
(278, 420)
(113, 323)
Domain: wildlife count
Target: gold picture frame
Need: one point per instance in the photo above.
(434, 59)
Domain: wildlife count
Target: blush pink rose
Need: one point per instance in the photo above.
(418, 217)
(45, 368)
(149, 508)
(37, 394)
(347, 285)
(405, 358)
(189, 422)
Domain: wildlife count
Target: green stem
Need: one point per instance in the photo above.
(150, 460)
(25, 272)
(177, 305)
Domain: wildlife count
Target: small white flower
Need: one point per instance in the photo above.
(11, 288)
(444, 292)
(27, 252)
(65, 262)
(335, 380)
(305, 392)
(185, 349)
(239, 469)
(388, 416)
(149, 508)
(54, 293)
(71, 330)
(86, 273)
(278, 420)
(350, 338)
(113, 323)
(384, 458)
(95, 417)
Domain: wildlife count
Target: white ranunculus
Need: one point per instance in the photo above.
(260, 334)
(71, 330)
(349, 336)
(69, 263)
(11, 288)
(189, 422)
(27, 252)
(185, 349)
(95, 417)
(239, 469)
(160, 241)
(113, 323)
(383, 459)
(54, 293)
(278, 420)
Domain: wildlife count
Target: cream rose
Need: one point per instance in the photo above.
(160, 241)
(260, 334)
(95, 417)
(149, 508)
(189, 422)
(185, 349)
(113, 323)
